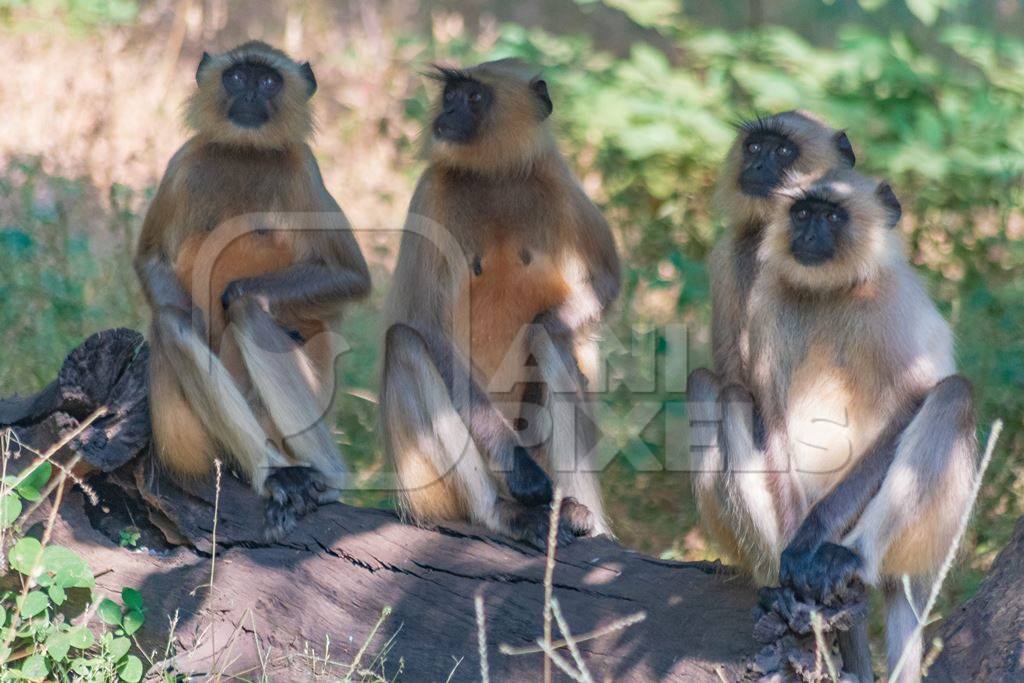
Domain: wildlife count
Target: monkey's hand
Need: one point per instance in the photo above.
(235, 290)
(821, 574)
(527, 482)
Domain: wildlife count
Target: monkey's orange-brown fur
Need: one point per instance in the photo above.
(513, 288)
(240, 204)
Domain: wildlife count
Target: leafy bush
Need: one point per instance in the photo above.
(38, 640)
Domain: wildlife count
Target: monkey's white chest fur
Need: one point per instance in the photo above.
(829, 424)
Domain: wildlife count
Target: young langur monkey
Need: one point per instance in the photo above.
(788, 147)
(505, 267)
(247, 261)
(853, 453)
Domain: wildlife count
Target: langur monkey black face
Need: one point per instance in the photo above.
(833, 232)
(815, 229)
(251, 88)
(771, 148)
(464, 105)
(467, 101)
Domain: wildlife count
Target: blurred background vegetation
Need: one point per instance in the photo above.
(930, 91)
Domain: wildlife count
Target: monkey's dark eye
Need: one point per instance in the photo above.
(784, 151)
(269, 84)
(753, 147)
(833, 216)
(475, 97)
(802, 214)
(237, 78)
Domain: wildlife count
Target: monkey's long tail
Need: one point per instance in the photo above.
(285, 378)
(217, 400)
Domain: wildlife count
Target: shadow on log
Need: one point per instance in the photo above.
(273, 607)
(983, 639)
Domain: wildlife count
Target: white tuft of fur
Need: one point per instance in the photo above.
(218, 401)
(284, 376)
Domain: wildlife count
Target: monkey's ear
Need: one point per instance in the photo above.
(892, 205)
(307, 72)
(203, 63)
(540, 88)
(845, 148)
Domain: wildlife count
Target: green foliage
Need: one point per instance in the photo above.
(77, 13)
(56, 287)
(37, 620)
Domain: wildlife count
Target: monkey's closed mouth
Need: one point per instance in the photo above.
(762, 190)
(248, 120)
(451, 134)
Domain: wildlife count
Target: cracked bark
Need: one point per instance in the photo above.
(331, 578)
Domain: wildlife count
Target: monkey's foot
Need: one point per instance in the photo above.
(577, 517)
(823, 575)
(292, 493)
(530, 524)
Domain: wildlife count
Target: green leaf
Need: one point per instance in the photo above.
(110, 612)
(131, 670)
(34, 667)
(118, 648)
(132, 621)
(132, 598)
(3, 617)
(81, 637)
(925, 10)
(57, 594)
(70, 570)
(10, 508)
(25, 555)
(57, 646)
(34, 603)
(30, 488)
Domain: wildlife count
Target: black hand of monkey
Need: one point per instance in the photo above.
(818, 574)
(232, 293)
(527, 482)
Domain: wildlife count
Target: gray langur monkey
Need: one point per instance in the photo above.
(849, 447)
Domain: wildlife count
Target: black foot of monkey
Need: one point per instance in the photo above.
(530, 524)
(293, 492)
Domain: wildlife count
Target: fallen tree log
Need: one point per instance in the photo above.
(308, 605)
(983, 639)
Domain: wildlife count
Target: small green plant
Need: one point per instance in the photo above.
(40, 640)
(129, 537)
